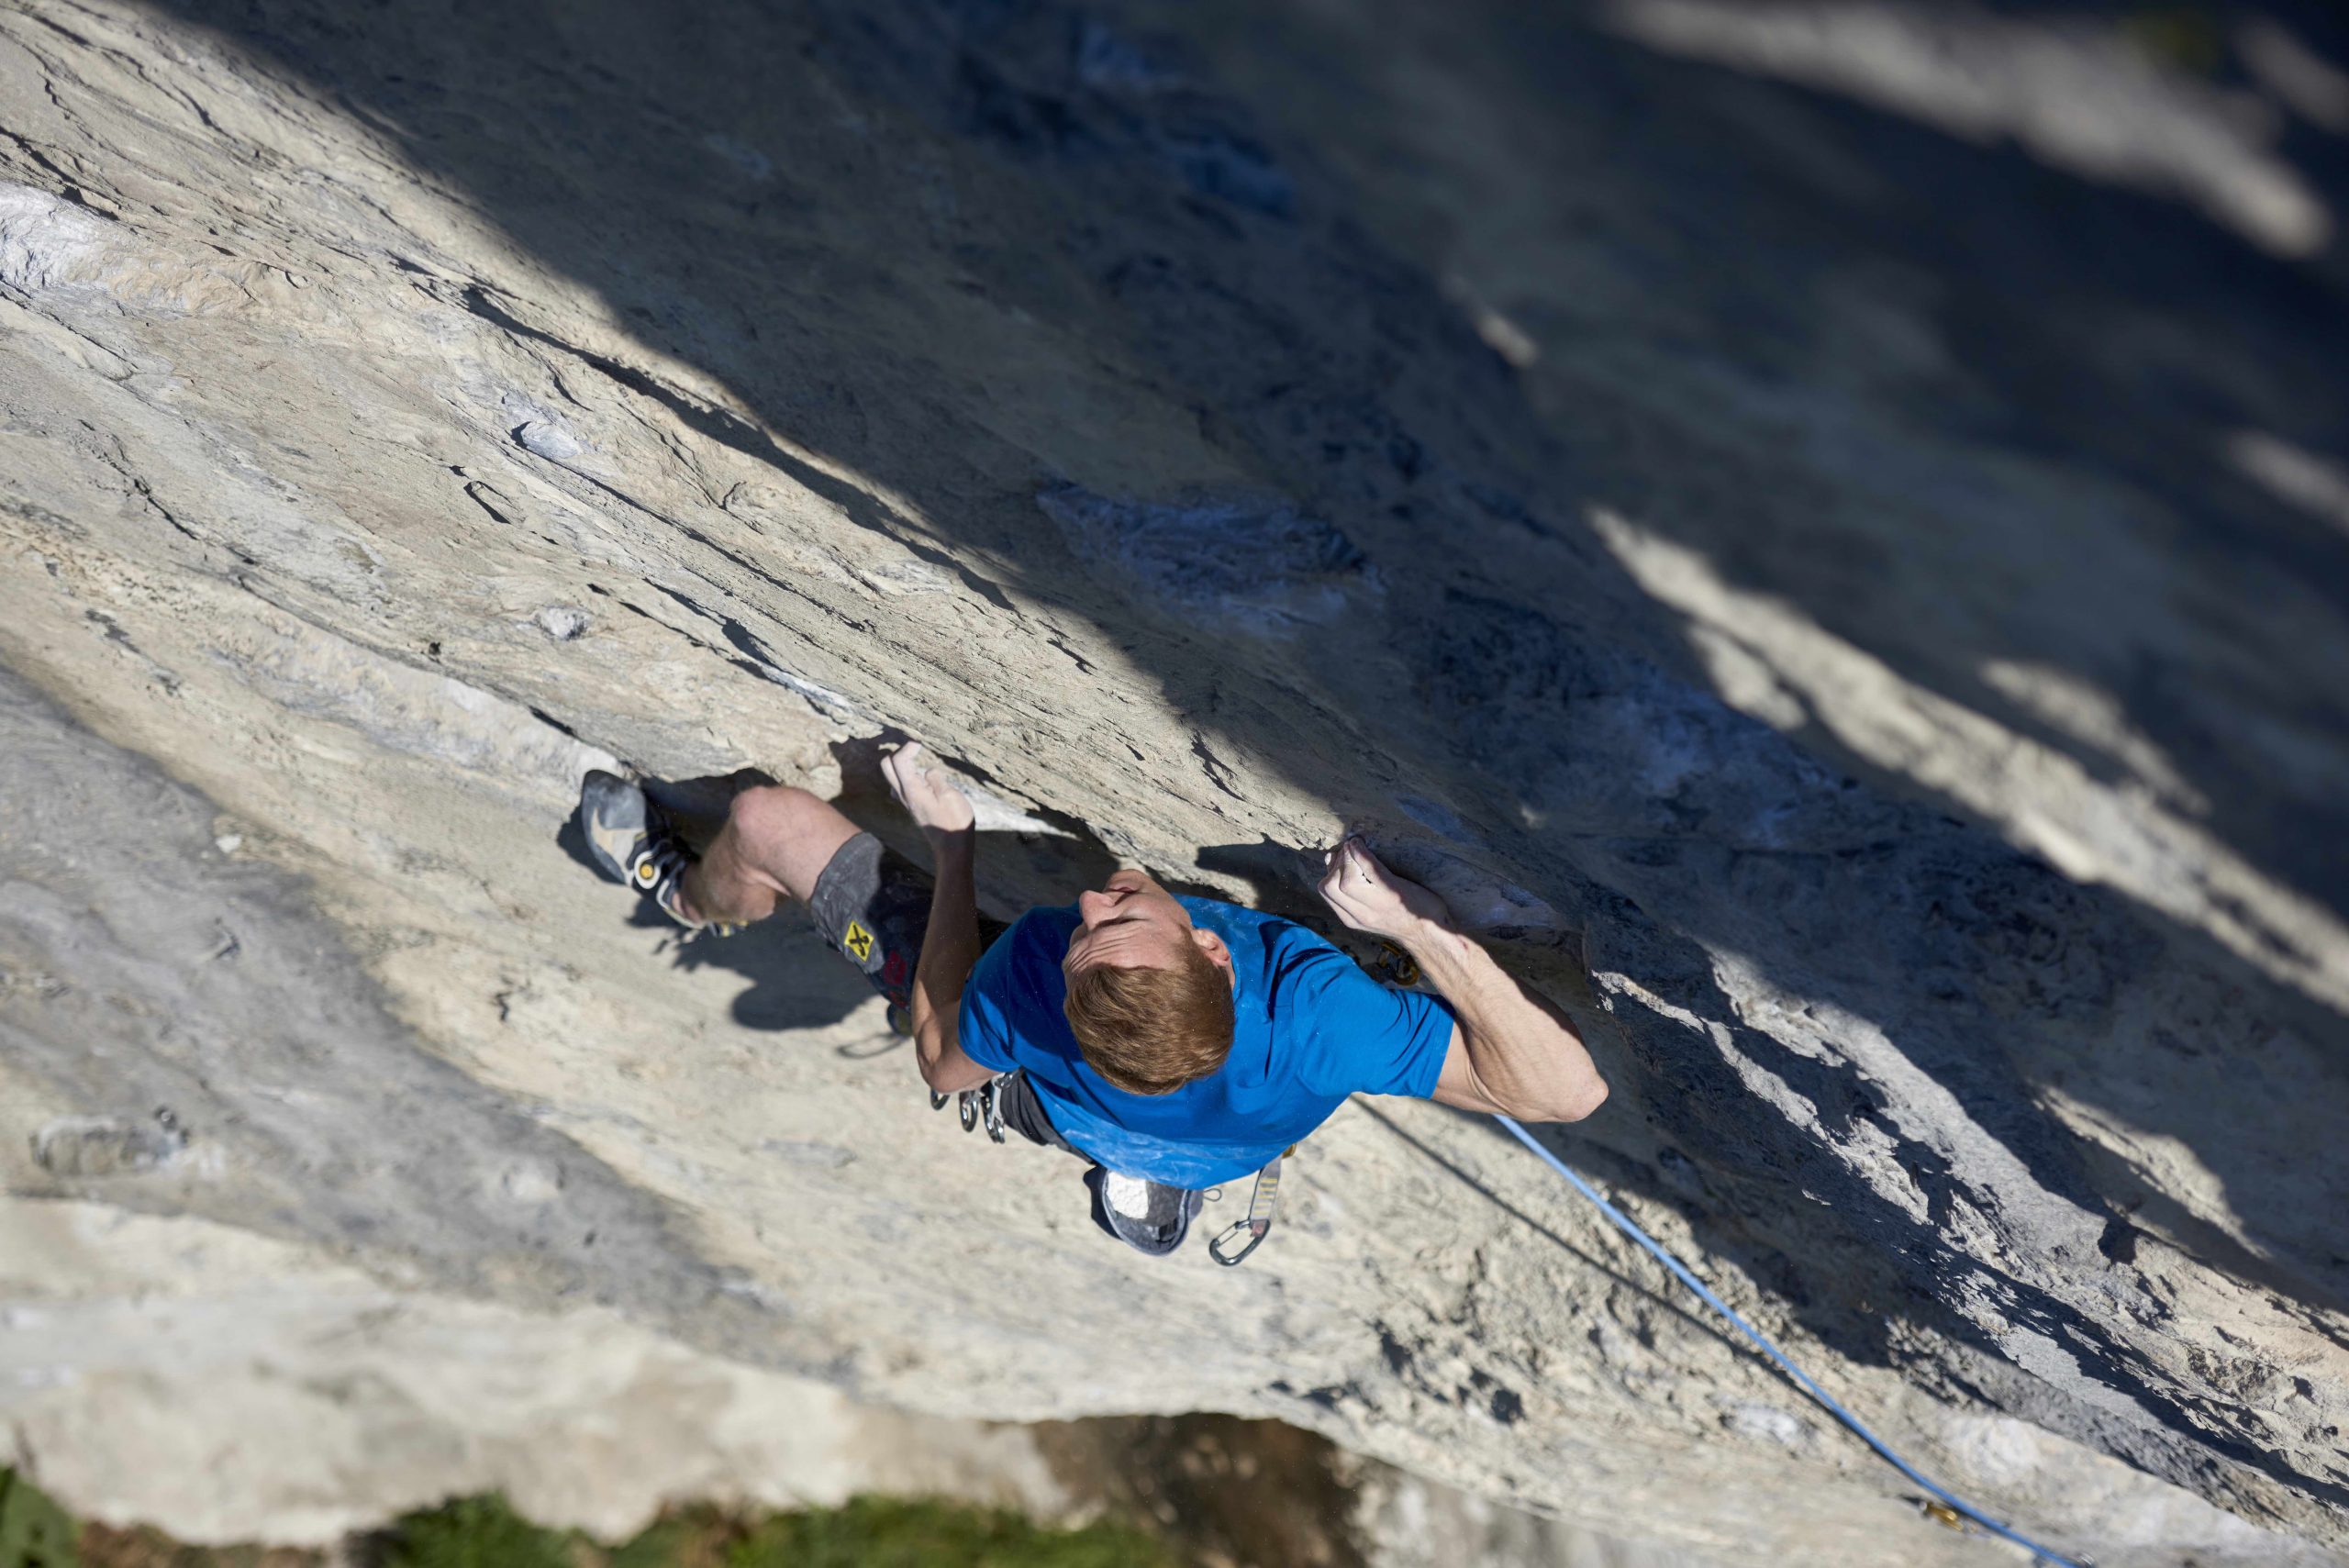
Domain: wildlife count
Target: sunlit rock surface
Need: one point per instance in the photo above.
(1833, 518)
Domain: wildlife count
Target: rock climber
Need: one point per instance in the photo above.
(1173, 1042)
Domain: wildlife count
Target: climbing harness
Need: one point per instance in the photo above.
(1257, 1224)
(2040, 1554)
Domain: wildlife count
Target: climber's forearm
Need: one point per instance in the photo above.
(950, 949)
(1514, 1052)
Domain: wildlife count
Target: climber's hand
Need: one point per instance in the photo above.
(1368, 897)
(926, 792)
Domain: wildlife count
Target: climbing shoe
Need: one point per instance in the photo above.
(633, 843)
(1149, 1216)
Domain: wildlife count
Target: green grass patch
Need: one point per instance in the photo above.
(474, 1532)
(34, 1532)
(485, 1532)
(883, 1532)
(868, 1532)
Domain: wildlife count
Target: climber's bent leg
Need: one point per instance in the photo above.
(775, 844)
(870, 902)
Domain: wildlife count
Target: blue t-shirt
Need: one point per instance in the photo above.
(1309, 1027)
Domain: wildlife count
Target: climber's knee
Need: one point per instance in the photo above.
(788, 833)
(766, 814)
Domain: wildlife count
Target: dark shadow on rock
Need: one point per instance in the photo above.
(1280, 876)
(2123, 335)
(1864, 1259)
(573, 841)
(699, 805)
(796, 982)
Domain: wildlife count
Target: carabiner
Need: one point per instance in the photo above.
(1257, 1232)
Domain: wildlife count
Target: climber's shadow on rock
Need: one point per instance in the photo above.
(1280, 878)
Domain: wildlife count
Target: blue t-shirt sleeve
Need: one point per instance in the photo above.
(1364, 1039)
(982, 1027)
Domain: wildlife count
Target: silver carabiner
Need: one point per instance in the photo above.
(1263, 1200)
(1255, 1239)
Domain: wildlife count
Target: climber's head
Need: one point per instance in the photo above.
(1149, 993)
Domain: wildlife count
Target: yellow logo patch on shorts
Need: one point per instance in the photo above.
(859, 941)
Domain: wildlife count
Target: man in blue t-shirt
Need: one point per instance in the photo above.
(1175, 1042)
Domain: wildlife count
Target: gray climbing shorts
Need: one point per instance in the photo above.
(872, 905)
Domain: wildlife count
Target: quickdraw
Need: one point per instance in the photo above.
(1263, 1200)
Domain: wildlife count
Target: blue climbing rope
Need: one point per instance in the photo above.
(1624, 1223)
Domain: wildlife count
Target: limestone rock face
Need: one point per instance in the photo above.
(1822, 529)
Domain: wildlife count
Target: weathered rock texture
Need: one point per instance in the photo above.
(1836, 515)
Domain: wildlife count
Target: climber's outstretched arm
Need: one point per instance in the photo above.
(950, 947)
(1513, 1052)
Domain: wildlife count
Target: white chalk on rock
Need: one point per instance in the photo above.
(561, 622)
(547, 440)
(46, 243)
